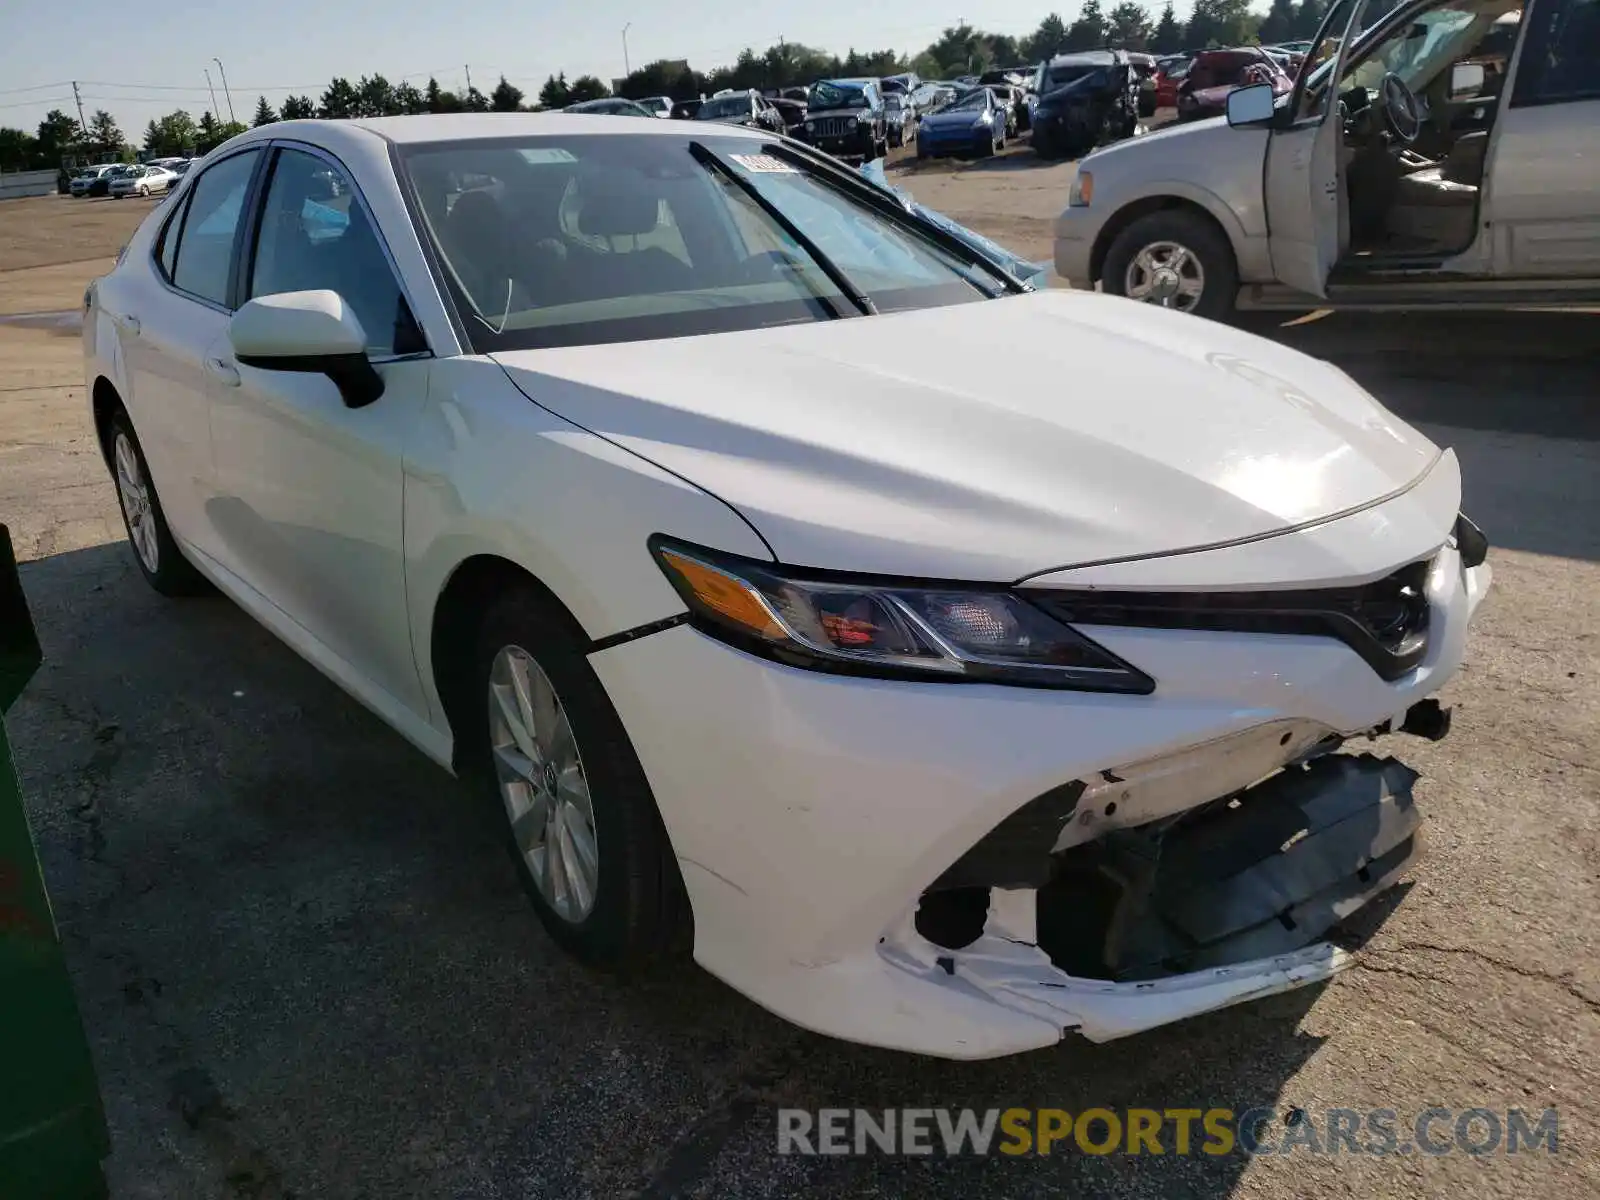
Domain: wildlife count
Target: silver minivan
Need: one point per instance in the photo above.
(1432, 153)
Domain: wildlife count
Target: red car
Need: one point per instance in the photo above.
(1214, 73)
(1169, 75)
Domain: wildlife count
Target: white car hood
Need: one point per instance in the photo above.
(992, 441)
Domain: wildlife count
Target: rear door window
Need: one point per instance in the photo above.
(204, 258)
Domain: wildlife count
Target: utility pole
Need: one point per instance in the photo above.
(627, 67)
(82, 124)
(232, 120)
(468, 70)
(213, 90)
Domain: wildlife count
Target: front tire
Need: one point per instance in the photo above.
(155, 550)
(1176, 259)
(581, 824)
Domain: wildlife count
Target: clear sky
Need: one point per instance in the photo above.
(142, 59)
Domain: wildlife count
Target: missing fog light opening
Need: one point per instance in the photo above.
(1262, 871)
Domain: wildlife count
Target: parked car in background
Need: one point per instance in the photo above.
(1087, 100)
(847, 118)
(793, 113)
(749, 108)
(146, 180)
(610, 106)
(684, 110)
(1169, 74)
(181, 168)
(676, 492)
(974, 125)
(1214, 73)
(660, 106)
(901, 116)
(100, 185)
(1012, 103)
(84, 180)
(1391, 177)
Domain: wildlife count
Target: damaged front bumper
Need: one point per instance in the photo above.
(1145, 908)
(1105, 864)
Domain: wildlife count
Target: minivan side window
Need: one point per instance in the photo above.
(205, 244)
(1561, 59)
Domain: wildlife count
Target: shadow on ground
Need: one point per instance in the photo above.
(307, 969)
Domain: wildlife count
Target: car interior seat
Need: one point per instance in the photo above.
(1440, 204)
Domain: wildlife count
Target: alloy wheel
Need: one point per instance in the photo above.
(1168, 274)
(543, 784)
(134, 492)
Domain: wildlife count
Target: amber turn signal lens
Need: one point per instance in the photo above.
(722, 594)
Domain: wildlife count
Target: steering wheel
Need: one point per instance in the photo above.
(1401, 109)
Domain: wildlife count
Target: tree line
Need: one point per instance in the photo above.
(959, 50)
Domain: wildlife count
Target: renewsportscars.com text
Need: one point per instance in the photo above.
(1256, 1132)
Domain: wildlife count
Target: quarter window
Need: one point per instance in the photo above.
(205, 248)
(315, 234)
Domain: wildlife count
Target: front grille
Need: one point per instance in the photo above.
(1385, 622)
(835, 127)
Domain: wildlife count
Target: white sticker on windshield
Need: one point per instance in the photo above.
(764, 164)
(546, 154)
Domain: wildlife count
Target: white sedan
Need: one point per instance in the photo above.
(143, 181)
(657, 478)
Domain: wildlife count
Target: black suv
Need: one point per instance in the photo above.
(847, 118)
(1088, 99)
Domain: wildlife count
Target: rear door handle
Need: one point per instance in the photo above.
(224, 370)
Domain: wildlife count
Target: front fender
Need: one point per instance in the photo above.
(1246, 228)
(489, 472)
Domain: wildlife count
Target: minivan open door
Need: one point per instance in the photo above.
(1308, 222)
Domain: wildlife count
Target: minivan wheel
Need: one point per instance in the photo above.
(1174, 259)
(154, 549)
(580, 821)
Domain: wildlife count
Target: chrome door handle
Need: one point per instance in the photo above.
(224, 370)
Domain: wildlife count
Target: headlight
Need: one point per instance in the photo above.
(811, 126)
(1082, 193)
(955, 632)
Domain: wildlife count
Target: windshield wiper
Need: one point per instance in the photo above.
(707, 158)
(897, 213)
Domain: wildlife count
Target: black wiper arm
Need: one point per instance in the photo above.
(707, 158)
(897, 212)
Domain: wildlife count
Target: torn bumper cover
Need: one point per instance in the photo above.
(1190, 911)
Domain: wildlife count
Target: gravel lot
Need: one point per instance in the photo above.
(307, 970)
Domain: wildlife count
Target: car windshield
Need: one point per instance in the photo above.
(1067, 73)
(726, 106)
(1225, 69)
(1427, 44)
(833, 95)
(592, 239)
(976, 101)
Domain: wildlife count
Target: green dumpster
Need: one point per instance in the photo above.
(52, 1127)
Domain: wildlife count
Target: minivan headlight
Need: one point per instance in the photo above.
(956, 632)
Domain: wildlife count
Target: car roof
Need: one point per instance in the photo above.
(1095, 57)
(471, 127)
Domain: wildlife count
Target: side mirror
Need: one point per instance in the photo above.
(307, 331)
(1251, 105)
(1467, 79)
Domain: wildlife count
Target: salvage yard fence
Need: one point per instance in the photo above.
(16, 184)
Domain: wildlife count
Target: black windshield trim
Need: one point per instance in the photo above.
(709, 159)
(893, 211)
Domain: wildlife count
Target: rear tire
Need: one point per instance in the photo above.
(155, 550)
(635, 911)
